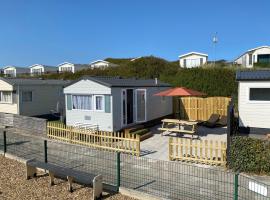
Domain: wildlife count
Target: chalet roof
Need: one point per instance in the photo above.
(193, 53)
(28, 81)
(124, 82)
(259, 75)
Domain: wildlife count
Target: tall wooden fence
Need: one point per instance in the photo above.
(197, 151)
(112, 141)
(198, 108)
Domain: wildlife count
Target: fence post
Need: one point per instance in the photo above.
(45, 151)
(5, 141)
(118, 170)
(235, 197)
(229, 129)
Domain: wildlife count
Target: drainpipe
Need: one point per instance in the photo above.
(18, 100)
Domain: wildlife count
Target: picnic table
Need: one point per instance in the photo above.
(178, 126)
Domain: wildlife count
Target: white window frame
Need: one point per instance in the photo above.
(31, 97)
(254, 101)
(136, 110)
(62, 69)
(5, 102)
(37, 71)
(81, 95)
(103, 103)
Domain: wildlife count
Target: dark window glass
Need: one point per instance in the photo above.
(259, 94)
(201, 61)
(185, 62)
(250, 59)
(264, 58)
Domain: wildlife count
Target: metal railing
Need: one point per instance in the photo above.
(166, 179)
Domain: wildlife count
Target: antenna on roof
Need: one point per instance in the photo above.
(215, 41)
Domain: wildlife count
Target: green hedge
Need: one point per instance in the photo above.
(215, 81)
(250, 155)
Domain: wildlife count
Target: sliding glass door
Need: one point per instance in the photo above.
(141, 105)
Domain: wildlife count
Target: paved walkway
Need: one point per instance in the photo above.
(157, 147)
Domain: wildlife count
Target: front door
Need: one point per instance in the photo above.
(129, 106)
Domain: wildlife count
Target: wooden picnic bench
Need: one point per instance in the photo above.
(178, 126)
(66, 173)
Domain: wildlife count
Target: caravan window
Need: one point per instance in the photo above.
(82, 102)
(27, 96)
(99, 102)
(5, 97)
(259, 94)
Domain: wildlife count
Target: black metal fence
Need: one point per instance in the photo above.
(166, 179)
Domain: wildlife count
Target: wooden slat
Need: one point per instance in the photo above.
(197, 108)
(206, 152)
(127, 143)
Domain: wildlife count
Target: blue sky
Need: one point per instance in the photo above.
(54, 31)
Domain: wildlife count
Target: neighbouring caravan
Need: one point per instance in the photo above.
(31, 97)
(254, 98)
(72, 68)
(12, 71)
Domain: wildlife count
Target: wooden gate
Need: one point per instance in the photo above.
(198, 151)
(198, 108)
(112, 141)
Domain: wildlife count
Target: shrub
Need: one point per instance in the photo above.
(250, 155)
(215, 81)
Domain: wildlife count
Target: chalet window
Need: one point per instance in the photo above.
(37, 71)
(66, 69)
(5, 97)
(185, 62)
(10, 72)
(27, 96)
(250, 59)
(259, 94)
(99, 102)
(201, 61)
(264, 58)
(82, 102)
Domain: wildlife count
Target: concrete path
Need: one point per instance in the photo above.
(157, 147)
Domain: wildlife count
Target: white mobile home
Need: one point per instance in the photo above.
(31, 97)
(115, 103)
(254, 98)
(259, 55)
(192, 59)
(12, 71)
(38, 69)
(70, 67)
(101, 64)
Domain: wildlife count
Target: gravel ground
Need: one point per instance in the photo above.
(14, 186)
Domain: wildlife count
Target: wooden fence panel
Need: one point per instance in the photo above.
(111, 141)
(197, 151)
(198, 108)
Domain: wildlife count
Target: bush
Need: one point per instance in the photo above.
(215, 81)
(250, 155)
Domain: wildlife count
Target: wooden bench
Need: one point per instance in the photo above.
(66, 173)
